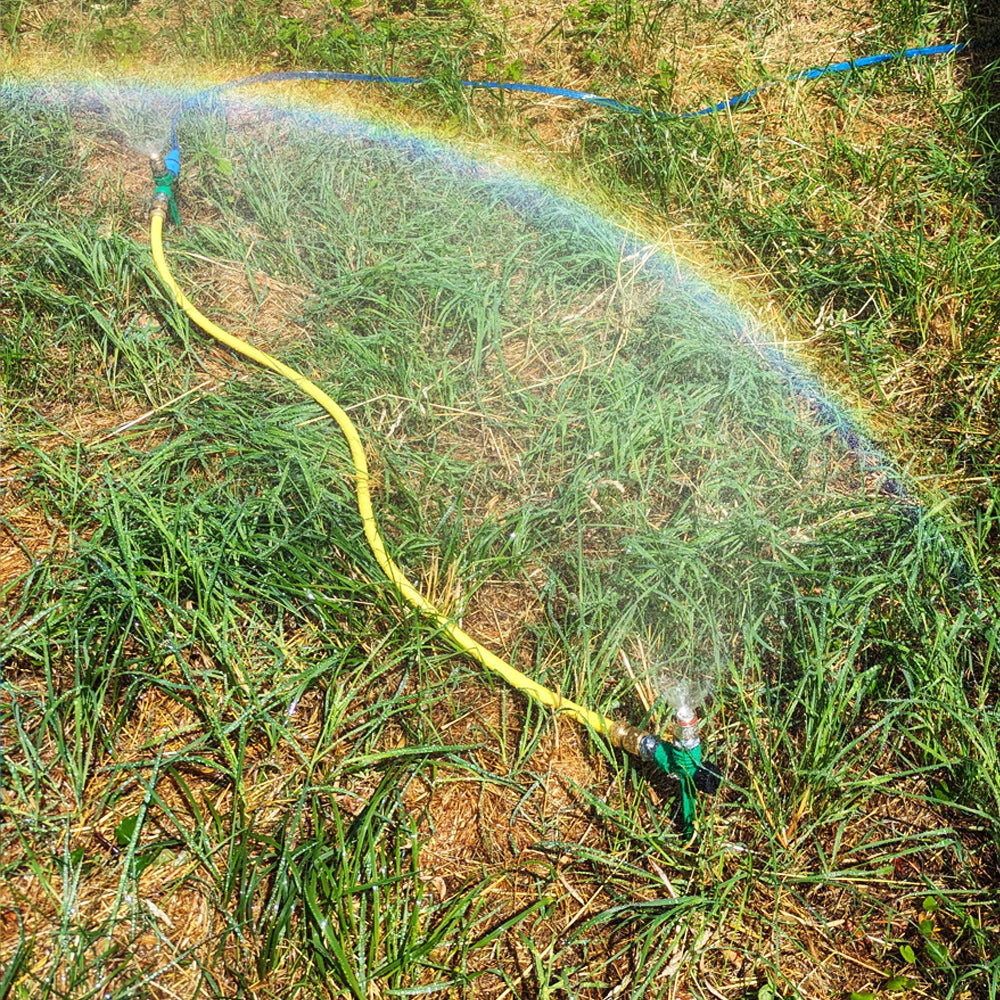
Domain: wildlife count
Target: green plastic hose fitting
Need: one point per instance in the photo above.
(165, 179)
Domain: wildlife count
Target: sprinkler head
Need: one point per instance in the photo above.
(682, 758)
(163, 164)
(706, 775)
(686, 731)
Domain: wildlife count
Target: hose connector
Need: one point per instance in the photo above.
(631, 739)
(160, 206)
(166, 170)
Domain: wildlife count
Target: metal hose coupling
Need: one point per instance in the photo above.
(632, 739)
(160, 206)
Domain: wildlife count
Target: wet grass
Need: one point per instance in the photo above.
(234, 765)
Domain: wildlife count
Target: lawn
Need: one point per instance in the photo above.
(655, 408)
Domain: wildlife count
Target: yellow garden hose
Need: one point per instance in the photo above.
(626, 736)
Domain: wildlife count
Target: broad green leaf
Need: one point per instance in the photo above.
(938, 954)
(125, 830)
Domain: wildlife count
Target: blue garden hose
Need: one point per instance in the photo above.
(575, 95)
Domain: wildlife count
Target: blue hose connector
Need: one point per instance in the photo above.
(172, 161)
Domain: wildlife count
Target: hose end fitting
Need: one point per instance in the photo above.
(629, 738)
(160, 206)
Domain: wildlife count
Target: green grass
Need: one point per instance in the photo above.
(235, 765)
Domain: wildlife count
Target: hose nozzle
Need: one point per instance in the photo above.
(686, 730)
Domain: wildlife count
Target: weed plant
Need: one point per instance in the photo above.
(235, 765)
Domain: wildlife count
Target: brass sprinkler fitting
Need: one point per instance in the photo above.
(633, 740)
(160, 206)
